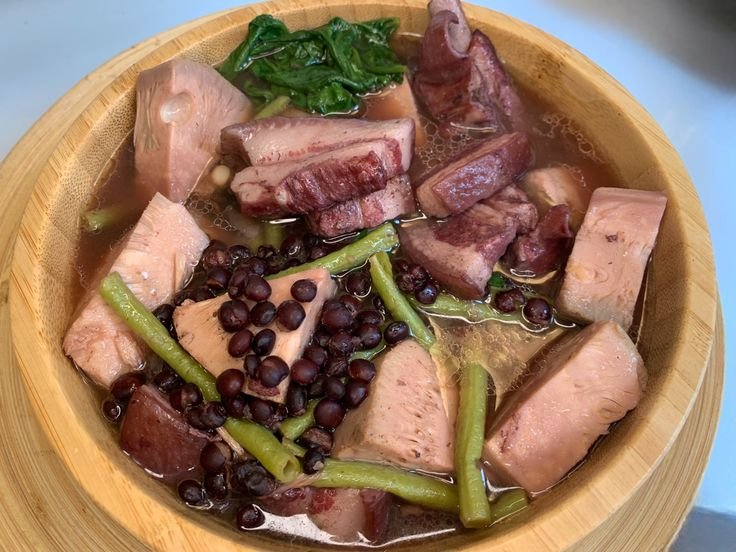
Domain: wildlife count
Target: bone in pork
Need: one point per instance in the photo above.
(474, 174)
(544, 248)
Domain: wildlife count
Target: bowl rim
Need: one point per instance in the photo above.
(700, 299)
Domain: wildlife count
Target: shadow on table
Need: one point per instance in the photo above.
(707, 530)
(700, 34)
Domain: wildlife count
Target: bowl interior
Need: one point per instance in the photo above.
(679, 308)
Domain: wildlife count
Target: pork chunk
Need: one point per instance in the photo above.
(592, 380)
(201, 334)
(403, 420)
(397, 102)
(605, 270)
(156, 260)
(158, 437)
(557, 186)
(396, 199)
(181, 107)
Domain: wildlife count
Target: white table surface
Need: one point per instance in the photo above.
(677, 57)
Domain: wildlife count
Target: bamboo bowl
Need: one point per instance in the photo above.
(678, 336)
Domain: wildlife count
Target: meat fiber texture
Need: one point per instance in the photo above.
(311, 164)
(460, 253)
(156, 260)
(460, 78)
(158, 437)
(590, 381)
(396, 199)
(181, 107)
(403, 420)
(605, 270)
(201, 333)
(545, 248)
(474, 174)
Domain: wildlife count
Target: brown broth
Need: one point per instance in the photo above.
(556, 141)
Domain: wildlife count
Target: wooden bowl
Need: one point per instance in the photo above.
(124, 509)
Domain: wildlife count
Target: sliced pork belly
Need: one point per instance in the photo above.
(557, 186)
(346, 514)
(461, 252)
(158, 437)
(156, 260)
(605, 270)
(403, 420)
(474, 174)
(550, 423)
(280, 139)
(319, 182)
(544, 248)
(396, 199)
(181, 107)
(201, 334)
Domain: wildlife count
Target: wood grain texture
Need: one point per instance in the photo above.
(66, 485)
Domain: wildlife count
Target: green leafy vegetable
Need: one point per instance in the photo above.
(323, 70)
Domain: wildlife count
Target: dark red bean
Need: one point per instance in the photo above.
(369, 335)
(186, 396)
(358, 283)
(334, 388)
(237, 406)
(290, 315)
(248, 517)
(356, 392)
(304, 290)
(214, 457)
(239, 253)
(260, 410)
(296, 400)
(337, 366)
(537, 311)
(316, 389)
(329, 413)
(257, 288)
(379, 306)
(240, 343)
(192, 493)
(233, 315)
(215, 484)
(251, 363)
(251, 477)
(352, 303)
(214, 256)
(167, 380)
(263, 342)
(206, 416)
(321, 336)
(369, 316)
(317, 252)
(304, 371)
(508, 301)
(341, 344)
(276, 263)
(395, 332)
(218, 278)
(254, 265)
(401, 265)
(201, 294)
(181, 296)
(427, 295)
(112, 410)
(279, 414)
(337, 318)
(316, 354)
(265, 251)
(313, 461)
(230, 382)
(236, 285)
(361, 369)
(273, 371)
(293, 248)
(263, 313)
(165, 315)
(405, 282)
(124, 386)
(316, 437)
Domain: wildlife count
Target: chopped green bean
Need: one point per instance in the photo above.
(266, 448)
(418, 489)
(369, 354)
(451, 306)
(274, 107)
(475, 510)
(107, 217)
(508, 504)
(146, 326)
(497, 281)
(293, 448)
(273, 234)
(292, 428)
(396, 303)
(383, 238)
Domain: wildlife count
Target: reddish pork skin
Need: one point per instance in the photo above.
(550, 423)
(605, 270)
(181, 107)
(474, 174)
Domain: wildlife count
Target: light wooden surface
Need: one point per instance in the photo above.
(66, 486)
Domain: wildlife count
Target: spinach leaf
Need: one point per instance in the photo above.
(322, 70)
